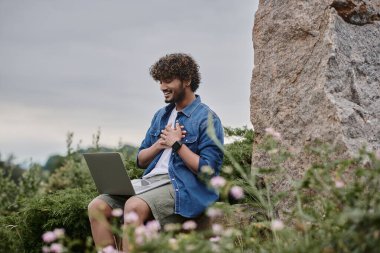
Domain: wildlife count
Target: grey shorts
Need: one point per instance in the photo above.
(160, 200)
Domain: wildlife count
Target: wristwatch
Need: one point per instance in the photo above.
(176, 146)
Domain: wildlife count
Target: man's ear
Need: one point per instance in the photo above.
(187, 83)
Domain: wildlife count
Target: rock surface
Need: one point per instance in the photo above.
(317, 75)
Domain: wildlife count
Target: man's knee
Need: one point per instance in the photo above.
(98, 207)
(139, 206)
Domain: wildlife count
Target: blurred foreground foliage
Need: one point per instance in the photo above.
(55, 195)
(336, 208)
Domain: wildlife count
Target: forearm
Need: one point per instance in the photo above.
(170, 136)
(146, 156)
(190, 159)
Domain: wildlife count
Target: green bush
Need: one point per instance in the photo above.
(12, 192)
(240, 150)
(8, 194)
(340, 199)
(62, 209)
(11, 240)
(39, 201)
(73, 174)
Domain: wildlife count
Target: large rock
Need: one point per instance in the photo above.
(317, 74)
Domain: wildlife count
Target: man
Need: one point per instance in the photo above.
(176, 146)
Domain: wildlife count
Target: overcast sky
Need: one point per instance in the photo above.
(80, 65)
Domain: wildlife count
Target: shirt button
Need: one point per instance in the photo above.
(176, 190)
(173, 179)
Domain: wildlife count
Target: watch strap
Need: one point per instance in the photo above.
(176, 146)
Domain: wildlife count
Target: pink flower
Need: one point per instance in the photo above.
(140, 239)
(140, 234)
(56, 248)
(59, 232)
(153, 226)
(339, 184)
(189, 225)
(148, 232)
(214, 212)
(277, 225)
(45, 249)
(218, 182)
(270, 131)
(215, 239)
(131, 217)
(49, 236)
(217, 229)
(237, 192)
(109, 249)
(140, 230)
(117, 212)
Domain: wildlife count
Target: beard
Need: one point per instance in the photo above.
(178, 97)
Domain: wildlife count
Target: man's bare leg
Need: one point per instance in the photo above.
(99, 213)
(139, 206)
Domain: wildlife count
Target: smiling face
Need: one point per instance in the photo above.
(174, 90)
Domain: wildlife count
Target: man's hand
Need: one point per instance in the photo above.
(170, 135)
(160, 144)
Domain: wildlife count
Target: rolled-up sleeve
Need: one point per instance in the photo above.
(210, 154)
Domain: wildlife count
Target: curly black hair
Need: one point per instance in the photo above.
(179, 65)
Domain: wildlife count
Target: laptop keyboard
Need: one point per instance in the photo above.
(138, 188)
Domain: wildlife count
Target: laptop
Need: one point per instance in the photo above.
(110, 177)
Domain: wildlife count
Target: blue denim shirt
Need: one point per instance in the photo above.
(192, 196)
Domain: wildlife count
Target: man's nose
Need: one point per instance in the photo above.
(162, 86)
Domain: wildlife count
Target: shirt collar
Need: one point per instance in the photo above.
(188, 110)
